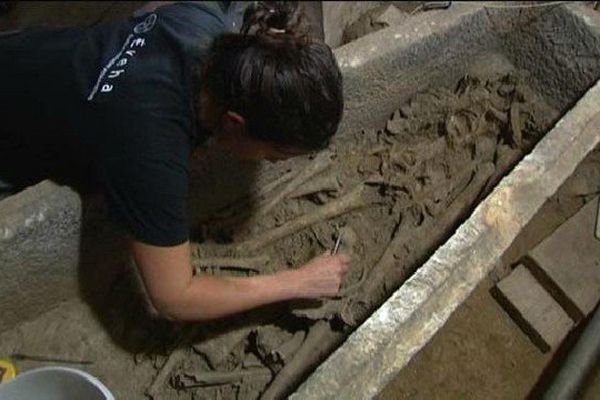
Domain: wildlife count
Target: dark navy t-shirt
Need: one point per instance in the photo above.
(119, 97)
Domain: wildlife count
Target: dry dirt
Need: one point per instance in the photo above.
(394, 194)
(479, 354)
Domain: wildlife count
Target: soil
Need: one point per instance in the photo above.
(383, 191)
(387, 13)
(388, 193)
(497, 360)
(479, 354)
(365, 24)
(393, 195)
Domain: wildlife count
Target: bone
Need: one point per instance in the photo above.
(321, 339)
(433, 187)
(499, 115)
(319, 164)
(326, 310)
(515, 124)
(401, 257)
(231, 213)
(186, 380)
(347, 203)
(325, 183)
(319, 342)
(254, 211)
(175, 358)
(267, 339)
(264, 190)
(284, 353)
(218, 347)
(240, 212)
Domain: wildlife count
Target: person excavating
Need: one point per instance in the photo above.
(131, 100)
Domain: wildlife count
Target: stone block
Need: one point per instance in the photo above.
(392, 16)
(567, 262)
(533, 309)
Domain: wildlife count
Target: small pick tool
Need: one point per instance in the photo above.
(337, 243)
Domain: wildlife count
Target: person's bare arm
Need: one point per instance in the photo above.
(177, 294)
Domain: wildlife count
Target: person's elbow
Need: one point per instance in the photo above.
(170, 307)
(167, 279)
(166, 308)
(178, 308)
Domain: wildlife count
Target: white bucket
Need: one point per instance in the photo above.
(54, 383)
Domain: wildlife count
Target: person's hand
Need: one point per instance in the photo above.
(321, 276)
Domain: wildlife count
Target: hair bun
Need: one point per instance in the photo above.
(272, 18)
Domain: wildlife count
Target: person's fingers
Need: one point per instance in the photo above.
(344, 258)
(342, 263)
(340, 256)
(339, 259)
(344, 268)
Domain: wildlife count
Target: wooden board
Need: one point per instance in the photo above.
(533, 309)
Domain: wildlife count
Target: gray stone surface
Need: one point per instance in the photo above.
(560, 49)
(384, 69)
(54, 246)
(339, 14)
(568, 261)
(533, 309)
(369, 358)
(40, 231)
(392, 16)
(39, 241)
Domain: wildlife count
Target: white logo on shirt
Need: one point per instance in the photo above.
(116, 66)
(146, 25)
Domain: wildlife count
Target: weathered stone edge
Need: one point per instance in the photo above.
(387, 341)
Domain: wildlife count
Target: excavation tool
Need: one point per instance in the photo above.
(337, 244)
(46, 359)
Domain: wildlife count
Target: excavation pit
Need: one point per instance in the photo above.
(437, 111)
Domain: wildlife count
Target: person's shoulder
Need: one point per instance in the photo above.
(194, 14)
(215, 9)
(134, 63)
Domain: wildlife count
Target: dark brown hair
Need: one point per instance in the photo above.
(287, 87)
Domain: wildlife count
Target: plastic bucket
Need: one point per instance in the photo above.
(54, 383)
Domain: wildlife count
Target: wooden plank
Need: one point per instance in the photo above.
(533, 309)
(567, 263)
